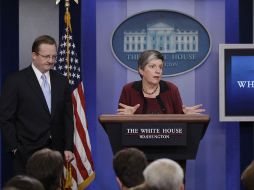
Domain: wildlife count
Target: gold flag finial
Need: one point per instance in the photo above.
(67, 19)
(58, 1)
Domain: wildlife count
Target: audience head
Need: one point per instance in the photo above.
(248, 177)
(143, 186)
(129, 165)
(164, 174)
(22, 182)
(47, 166)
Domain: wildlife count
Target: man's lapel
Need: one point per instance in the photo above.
(54, 84)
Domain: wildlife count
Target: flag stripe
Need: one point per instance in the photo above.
(80, 166)
(81, 121)
(80, 130)
(82, 98)
(82, 159)
(81, 101)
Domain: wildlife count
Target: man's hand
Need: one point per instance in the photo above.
(68, 155)
(193, 109)
(127, 110)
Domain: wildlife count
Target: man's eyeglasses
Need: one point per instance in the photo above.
(47, 57)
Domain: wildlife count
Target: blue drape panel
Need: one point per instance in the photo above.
(9, 62)
(232, 129)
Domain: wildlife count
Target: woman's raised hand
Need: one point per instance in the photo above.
(193, 109)
(127, 110)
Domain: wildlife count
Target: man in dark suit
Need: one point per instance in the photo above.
(36, 109)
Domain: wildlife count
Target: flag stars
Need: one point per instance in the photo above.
(68, 67)
(71, 82)
(61, 60)
(62, 52)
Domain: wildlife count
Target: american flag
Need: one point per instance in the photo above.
(67, 63)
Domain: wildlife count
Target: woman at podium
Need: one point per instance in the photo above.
(151, 95)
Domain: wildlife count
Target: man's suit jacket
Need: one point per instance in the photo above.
(25, 118)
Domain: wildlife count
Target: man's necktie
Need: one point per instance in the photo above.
(46, 90)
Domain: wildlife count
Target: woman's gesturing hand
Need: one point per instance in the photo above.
(193, 109)
(127, 110)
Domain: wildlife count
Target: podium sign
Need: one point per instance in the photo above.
(156, 134)
(174, 136)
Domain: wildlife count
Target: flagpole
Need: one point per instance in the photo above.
(67, 20)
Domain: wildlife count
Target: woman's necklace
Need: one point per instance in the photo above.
(150, 93)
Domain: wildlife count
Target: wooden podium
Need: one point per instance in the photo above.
(174, 136)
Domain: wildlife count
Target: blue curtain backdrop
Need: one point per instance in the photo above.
(9, 62)
(102, 155)
(88, 57)
(232, 129)
(246, 128)
(239, 136)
